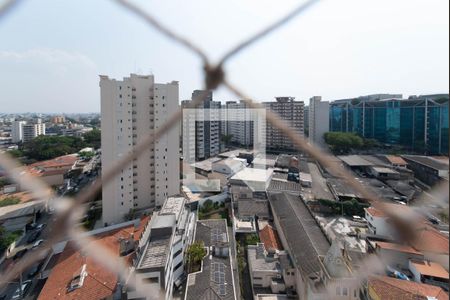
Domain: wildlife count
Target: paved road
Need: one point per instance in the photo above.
(320, 189)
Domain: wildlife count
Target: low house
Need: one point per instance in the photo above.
(429, 273)
(383, 287)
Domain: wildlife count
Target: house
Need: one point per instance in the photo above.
(160, 262)
(52, 171)
(430, 273)
(271, 271)
(383, 287)
(79, 276)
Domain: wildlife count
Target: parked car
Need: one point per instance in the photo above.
(25, 287)
(20, 253)
(40, 226)
(37, 243)
(34, 236)
(34, 270)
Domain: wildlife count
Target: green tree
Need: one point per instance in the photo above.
(195, 254)
(6, 238)
(48, 147)
(93, 138)
(9, 201)
(226, 139)
(343, 142)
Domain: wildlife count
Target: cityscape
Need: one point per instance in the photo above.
(179, 191)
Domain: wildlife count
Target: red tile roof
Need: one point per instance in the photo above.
(430, 269)
(99, 282)
(397, 247)
(268, 235)
(388, 288)
(57, 162)
(429, 239)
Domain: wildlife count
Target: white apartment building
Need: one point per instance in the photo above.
(31, 130)
(207, 126)
(159, 265)
(319, 114)
(239, 123)
(131, 109)
(291, 112)
(17, 131)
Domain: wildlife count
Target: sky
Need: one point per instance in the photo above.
(51, 52)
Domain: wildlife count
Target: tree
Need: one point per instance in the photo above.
(226, 139)
(93, 138)
(195, 254)
(343, 142)
(6, 238)
(48, 147)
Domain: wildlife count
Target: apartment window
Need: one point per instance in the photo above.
(344, 291)
(121, 187)
(178, 266)
(338, 290)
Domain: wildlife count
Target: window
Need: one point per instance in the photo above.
(338, 290)
(344, 291)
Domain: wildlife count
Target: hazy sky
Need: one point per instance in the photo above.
(51, 52)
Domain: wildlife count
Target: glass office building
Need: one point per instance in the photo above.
(418, 124)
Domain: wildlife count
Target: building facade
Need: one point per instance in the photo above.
(207, 125)
(291, 112)
(239, 123)
(17, 131)
(160, 263)
(131, 109)
(419, 124)
(318, 120)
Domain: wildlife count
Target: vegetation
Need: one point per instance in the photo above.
(195, 254)
(213, 210)
(9, 201)
(343, 142)
(6, 238)
(86, 154)
(351, 207)
(4, 181)
(226, 139)
(15, 153)
(48, 147)
(92, 138)
(251, 239)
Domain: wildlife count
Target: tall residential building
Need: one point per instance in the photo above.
(318, 116)
(419, 124)
(291, 112)
(207, 125)
(17, 131)
(131, 109)
(239, 123)
(32, 130)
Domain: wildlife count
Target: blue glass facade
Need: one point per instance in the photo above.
(417, 124)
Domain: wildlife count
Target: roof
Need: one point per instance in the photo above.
(100, 282)
(269, 237)
(57, 162)
(384, 170)
(430, 269)
(252, 207)
(429, 239)
(392, 288)
(258, 261)
(375, 212)
(250, 174)
(204, 285)
(281, 185)
(304, 237)
(427, 161)
(354, 161)
(396, 160)
(397, 247)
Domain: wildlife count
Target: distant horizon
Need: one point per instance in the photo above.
(223, 102)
